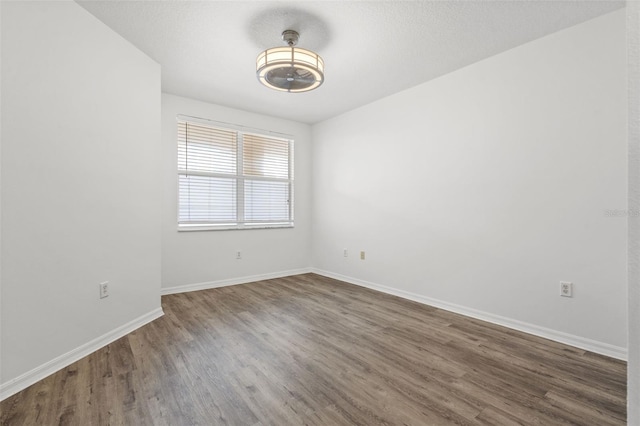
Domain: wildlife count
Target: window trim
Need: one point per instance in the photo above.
(239, 176)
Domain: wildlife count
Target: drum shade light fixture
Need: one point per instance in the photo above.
(290, 69)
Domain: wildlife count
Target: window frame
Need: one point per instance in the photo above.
(239, 177)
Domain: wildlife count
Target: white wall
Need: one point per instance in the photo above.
(201, 259)
(80, 187)
(522, 152)
(486, 187)
(633, 76)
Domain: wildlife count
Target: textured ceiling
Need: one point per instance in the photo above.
(207, 49)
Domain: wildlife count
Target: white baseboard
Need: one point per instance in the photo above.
(232, 281)
(30, 377)
(558, 336)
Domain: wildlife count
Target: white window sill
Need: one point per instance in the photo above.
(192, 228)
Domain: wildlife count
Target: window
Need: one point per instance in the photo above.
(230, 179)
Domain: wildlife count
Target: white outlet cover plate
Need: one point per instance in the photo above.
(566, 289)
(104, 289)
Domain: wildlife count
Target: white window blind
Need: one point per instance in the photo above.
(233, 179)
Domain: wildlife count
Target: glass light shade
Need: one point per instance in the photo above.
(290, 69)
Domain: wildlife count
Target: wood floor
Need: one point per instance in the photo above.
(308, 350)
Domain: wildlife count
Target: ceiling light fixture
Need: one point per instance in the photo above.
(290, 69)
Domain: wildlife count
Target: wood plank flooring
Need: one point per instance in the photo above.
(309, 350)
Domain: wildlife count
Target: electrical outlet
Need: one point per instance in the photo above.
(361, 255)
(238, 255)
(345, 253)
(566, 289)
(104, 289)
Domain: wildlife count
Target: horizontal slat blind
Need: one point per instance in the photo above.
(206, 149)
(205, 199)
(266, 157)
(231, 179)
(266, 201)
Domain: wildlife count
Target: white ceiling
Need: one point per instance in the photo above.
(207, 49)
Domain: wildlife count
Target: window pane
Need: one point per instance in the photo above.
(264, 156)
(206, 199)
(266, 201)
(206, 149)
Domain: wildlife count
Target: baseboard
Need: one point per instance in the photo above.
(558, 336)
(30, 377)
(232, 281)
